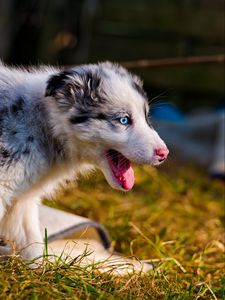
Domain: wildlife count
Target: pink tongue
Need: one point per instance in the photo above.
(125, 173)
(128, 178)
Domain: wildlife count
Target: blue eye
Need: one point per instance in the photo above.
(124, 120)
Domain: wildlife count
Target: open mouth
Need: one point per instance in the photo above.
(121, 169)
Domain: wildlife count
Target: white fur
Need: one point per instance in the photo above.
(38, 172)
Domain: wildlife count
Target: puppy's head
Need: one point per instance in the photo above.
(105, 112)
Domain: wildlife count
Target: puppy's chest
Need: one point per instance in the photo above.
(30, 177)
(55, 177)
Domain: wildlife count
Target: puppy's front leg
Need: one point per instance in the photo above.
(20, 225)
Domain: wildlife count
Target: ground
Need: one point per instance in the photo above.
(175, 214)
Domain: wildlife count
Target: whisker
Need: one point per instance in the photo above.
(158, 96)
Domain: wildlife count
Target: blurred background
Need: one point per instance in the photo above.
(163, 33)
(76, 31)
(179, 208)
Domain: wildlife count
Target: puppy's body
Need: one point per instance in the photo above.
(55, 124)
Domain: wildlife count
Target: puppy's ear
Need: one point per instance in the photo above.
(73, 86)
(137, 84)
(54, 83)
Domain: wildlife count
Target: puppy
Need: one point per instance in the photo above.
(55, 124)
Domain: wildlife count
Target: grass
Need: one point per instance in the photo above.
(174, 216)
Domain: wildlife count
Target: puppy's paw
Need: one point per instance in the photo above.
(33, 254)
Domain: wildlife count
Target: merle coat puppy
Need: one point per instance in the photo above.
(55, 124)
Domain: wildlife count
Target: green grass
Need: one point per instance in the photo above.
(173, 215)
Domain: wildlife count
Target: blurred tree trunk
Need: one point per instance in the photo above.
(88, 15)
(5, 28)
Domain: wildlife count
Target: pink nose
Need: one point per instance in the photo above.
(161, 153)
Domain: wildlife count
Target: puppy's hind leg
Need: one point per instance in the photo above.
(20, 225)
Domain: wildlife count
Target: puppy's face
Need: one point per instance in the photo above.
(106, 113)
